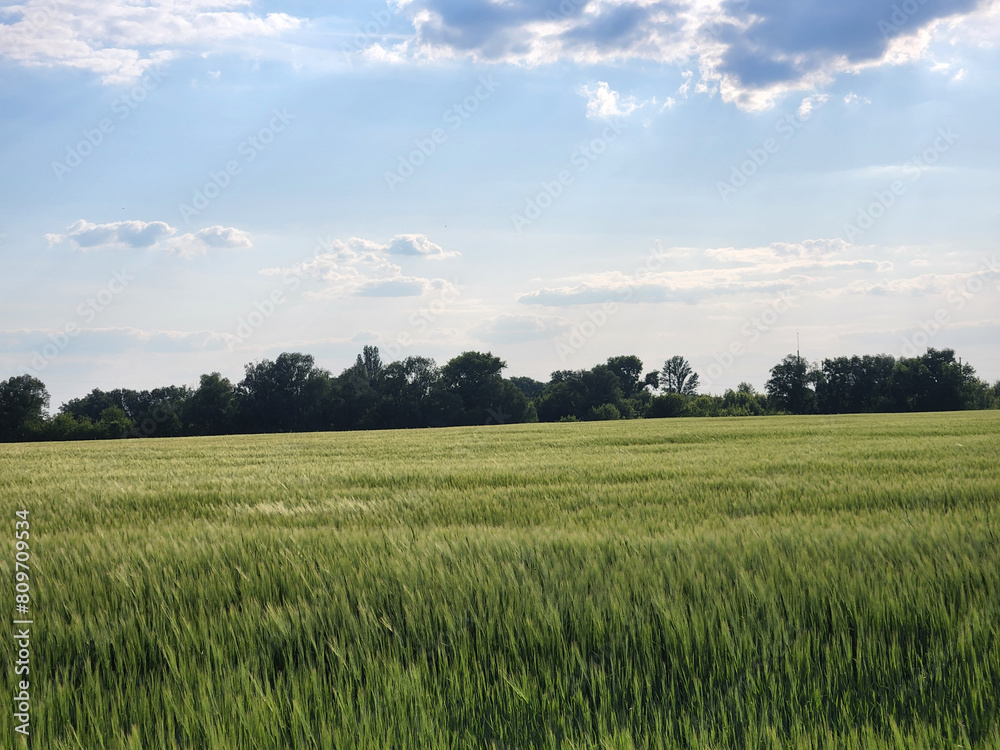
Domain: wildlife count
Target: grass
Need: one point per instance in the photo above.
(727, 583)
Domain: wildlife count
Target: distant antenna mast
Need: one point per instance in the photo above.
(798, 357)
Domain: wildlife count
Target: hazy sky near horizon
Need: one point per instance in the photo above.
(191, 185)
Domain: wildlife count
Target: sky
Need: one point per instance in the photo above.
(192, 185)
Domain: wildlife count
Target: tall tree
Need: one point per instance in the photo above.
(856, 384)
(23, 401)
(211, 409)
(285, 395)
(475, 378)
(628, 369)
(369, 363)
(935, 381)
(678, 377)
(790, 385)
(408, 390)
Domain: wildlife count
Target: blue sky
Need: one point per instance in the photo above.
(189, 186)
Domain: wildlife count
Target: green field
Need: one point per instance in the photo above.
(726, 583)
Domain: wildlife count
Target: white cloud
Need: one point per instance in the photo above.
(119, 39)
(199, 243)
(807, 105)
(418, 244)
(725, 272)
(750, 53)
(360, 267)
(87, 236)
(605, 103)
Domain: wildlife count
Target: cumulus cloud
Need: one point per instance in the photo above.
(749, 52)
(87, 236)
(199, 243)
(418, 244)
(361, 267)
(809, 103)
(722, 272)
(121, 39)
(605, 103)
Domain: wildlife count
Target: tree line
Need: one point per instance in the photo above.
(292, 394)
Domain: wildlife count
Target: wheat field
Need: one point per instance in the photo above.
(776, 582)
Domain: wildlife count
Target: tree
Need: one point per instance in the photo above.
(408, 394)
(369, 363)
(789, 387)
(678, 377)
(513, 406)
(856, 384)
(211, 409)
(65, 426)
(559, 400)
(602, 413)
(93, 404)
(934, 381)
(576, 392)
(530, 387)
(159, 412)
(287, 395)
(628, 370)
(743, 402)
(667, 405)
(114, 424)
(23, 401)
(475, 378)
